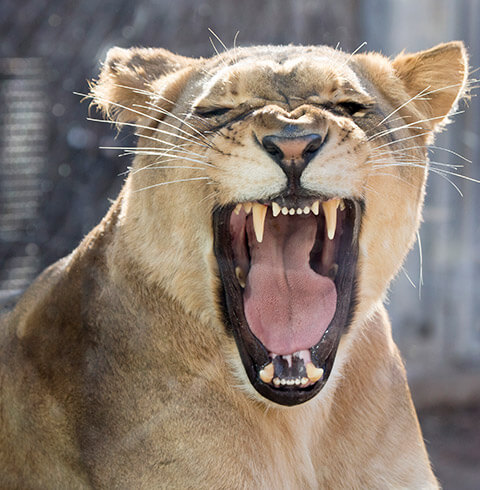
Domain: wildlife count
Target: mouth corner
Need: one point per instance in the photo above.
(288, 285)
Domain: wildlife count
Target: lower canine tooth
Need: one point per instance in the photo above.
(266, 374)
(259, 212)
(313, 373)
(240, 276)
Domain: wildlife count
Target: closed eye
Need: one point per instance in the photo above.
(212, 112)
(352, 108)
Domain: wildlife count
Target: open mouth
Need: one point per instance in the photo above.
(288, 273)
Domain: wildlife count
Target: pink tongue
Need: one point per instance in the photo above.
(287, 305)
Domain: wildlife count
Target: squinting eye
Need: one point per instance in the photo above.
(215, 112)
(352, 107)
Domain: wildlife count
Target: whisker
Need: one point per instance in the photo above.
(140, 126)
(354, 52)
(420, 94)
(449, 181)
(172, 182)
(411, 125)
(148, 116)
(168, 113)
(450, 151)
(171, 125)
(153, 148)
(401, 139)
(218, 39)
(408, 277)
(168, 167)
(182, 158)
(393, 176)
(420, 258)
(437, 170)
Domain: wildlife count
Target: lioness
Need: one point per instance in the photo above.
(223, 326)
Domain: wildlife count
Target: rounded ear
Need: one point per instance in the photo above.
(436, 79)
(132, 77)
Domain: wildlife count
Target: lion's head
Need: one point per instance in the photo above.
(276, 190)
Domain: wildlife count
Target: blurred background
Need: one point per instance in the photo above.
(55, 182)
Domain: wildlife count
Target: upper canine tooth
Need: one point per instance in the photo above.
(330, 211)
(313, 373)
(248, 207)
(259, 212)
(315, 207)
(275, 209)
(266, 374)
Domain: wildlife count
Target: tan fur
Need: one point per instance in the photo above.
(116, 368)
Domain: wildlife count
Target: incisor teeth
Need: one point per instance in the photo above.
(330, 211)
(306, 210)
(275, 209)
(266, 374)
(299, 211)
(248, 207)
(315, 208)
(284, 210)
(240, 276)
(259, 212)
(276, 381)
(313, 373)
(291, 211)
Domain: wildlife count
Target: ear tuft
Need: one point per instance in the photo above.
(437, 78)
(127, 78)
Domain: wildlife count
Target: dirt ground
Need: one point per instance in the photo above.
(452, 435)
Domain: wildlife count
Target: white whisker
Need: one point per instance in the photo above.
(148, 116)
(420, 258)
(420, 94)
(152, 106)
(401, 139)
(140, 126)
(181, 158)
(172, 182)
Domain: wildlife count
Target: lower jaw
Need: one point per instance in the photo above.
(255, 356)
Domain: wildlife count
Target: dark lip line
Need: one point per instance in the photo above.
(255, 356)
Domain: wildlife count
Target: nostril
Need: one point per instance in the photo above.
(315, 144)
(271, 147)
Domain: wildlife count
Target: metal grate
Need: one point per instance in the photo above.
(23, 143)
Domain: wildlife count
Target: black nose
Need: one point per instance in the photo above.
(293, 153)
